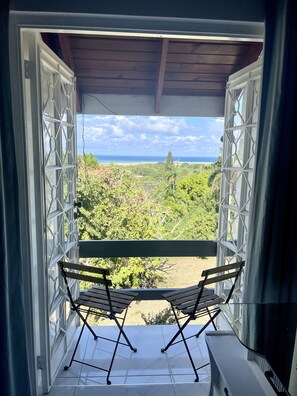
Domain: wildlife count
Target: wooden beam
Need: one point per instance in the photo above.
(68, 59)
(161, 74)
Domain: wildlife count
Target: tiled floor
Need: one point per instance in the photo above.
(146, 372)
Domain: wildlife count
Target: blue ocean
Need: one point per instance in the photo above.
(149, 158)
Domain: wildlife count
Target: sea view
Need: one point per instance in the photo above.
(138, 159)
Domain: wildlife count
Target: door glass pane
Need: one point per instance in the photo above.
(59, 150)
(240, 137)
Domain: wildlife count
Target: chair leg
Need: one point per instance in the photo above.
(177, 333)
(86, 323)
(180, 331)
(79, 337)
(211, 320)
(121, 332)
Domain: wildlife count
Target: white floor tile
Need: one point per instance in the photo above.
(148, 379)
(148, 372)
(197, 389)
(66, 381)
(127, 390)
(62, 391)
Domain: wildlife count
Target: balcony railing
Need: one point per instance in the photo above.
(164, 248)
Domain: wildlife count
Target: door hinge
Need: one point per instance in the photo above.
(41, 363)
(28, 69)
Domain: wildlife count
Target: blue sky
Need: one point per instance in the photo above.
(135, 135)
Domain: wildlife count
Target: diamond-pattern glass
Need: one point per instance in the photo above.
(68, 185)
(54, 282)
(52, 185)
(240, 137)
(58, 121)
(56, 325)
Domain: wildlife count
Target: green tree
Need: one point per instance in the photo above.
(87, 160)
(115, 208)
(192, 209)
(169, 159)
(141, 202)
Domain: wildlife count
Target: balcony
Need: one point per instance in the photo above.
(147, 372)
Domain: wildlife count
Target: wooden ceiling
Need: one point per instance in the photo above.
(151, 66)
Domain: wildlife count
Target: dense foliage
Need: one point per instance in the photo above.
(145, 201)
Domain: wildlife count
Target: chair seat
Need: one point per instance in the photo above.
(185, 299)
(99, 301)
(97, 298)
(198, 301)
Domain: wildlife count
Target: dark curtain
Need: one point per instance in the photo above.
(269, 318)
(15, 379)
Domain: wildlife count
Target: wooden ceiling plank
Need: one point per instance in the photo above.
(111, 65)
(175, 76)
(109, 82)
(161, 74)
(119, 74)
(114, 44)
(205, 59)
(199, 68)
(101, 83)
(121, 56)
(142, 75)
(151, 66)
(207, 49)
(136, 56)
(68, 59)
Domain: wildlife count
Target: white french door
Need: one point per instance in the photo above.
(52, 143)
(238, 164)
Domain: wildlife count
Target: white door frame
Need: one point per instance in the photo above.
(49, 102)
(158, 26)
(242, 107)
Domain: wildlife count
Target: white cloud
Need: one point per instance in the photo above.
(166, 125)
(150, 135)
(156, 139)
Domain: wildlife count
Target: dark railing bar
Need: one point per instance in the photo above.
(102, 249)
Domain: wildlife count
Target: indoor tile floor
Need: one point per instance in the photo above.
(144, 373)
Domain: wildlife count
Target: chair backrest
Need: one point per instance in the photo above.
(99, 280)
(224, 272)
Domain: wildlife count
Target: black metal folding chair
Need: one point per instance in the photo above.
(198, 301)
(101, 301)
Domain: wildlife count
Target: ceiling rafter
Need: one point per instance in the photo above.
(68, 59)
(161, 74)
